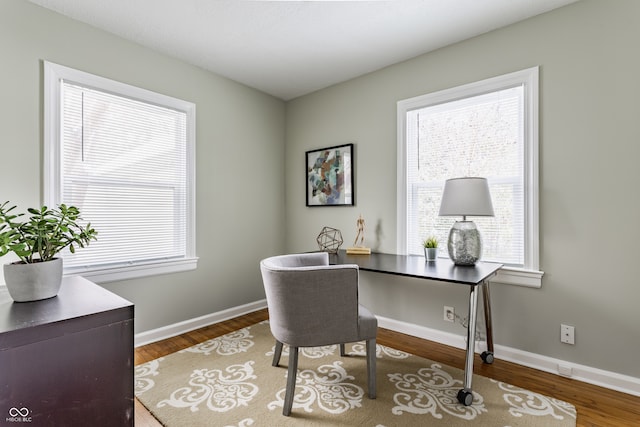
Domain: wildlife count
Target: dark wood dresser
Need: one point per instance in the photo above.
(67, 360)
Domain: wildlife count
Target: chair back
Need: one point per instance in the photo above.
(311, 303)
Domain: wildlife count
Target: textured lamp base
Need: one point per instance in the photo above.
(465, 244)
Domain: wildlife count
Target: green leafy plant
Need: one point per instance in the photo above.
(430, 242)
(44, 234)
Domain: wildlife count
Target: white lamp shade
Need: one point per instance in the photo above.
(466, 197)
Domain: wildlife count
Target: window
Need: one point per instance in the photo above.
(486, 129)
(125, 157)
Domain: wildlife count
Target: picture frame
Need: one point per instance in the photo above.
(329, 176)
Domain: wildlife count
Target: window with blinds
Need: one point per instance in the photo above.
(475, 136)
(123, 156)
(485, 129)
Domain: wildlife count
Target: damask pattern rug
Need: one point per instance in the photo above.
(229, 381)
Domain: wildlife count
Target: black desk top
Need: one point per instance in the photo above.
(416, 266)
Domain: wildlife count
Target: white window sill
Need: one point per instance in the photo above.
(105, 275)
(519, 277)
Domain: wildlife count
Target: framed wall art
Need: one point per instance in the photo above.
(330, 176)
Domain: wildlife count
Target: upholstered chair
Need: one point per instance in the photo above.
(313, 304)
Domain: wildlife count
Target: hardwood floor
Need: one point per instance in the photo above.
(596, 406)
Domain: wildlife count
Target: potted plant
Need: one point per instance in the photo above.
(430, 248)
(37, 241)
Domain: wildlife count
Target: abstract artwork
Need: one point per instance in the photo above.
(330, 176)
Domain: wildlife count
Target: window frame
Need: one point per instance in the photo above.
(530, 275)
(54, 74)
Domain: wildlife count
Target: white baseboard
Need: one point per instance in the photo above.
(185, 326)
(587, 374)
(446, 338)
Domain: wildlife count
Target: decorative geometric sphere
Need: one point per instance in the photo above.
(329, 240)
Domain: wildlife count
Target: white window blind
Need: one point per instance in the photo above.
(126, 163)
(486, 129)
(475, 136)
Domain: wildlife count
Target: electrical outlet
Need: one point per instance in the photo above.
(567, 334)
(449, 314)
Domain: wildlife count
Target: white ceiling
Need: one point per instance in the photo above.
(291, 48)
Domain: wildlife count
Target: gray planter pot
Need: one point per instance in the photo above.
(431, 254)
(33, 282)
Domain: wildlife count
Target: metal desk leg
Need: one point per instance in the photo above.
(487, 356)
(465, 396)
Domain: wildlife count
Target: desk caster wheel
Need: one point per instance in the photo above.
(465, 397)
(487, 357)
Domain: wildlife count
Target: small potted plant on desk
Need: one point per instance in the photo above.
(430, 248)
(37, 241)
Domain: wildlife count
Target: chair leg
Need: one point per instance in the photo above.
(291, 381)
(342, 351)
(277, 352)
(371, 367)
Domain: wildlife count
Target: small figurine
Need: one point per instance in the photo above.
(360, 227)
(358, 244)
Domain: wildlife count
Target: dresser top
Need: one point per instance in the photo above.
(77, 298)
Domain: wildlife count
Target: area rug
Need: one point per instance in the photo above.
(229, 381)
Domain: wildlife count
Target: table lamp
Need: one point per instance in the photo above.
(465, 197)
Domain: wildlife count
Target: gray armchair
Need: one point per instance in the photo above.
(312, 304)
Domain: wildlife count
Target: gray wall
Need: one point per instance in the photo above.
(240, 156)
(589, 151)
(588, 155)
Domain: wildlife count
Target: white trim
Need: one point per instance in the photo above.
(518, 277)
(56, 72)
(587, 374)
(114, 274)
(153, 335)
(441, 337)
(401, 191)
(51, 154)
(531, 167)
(607, 379)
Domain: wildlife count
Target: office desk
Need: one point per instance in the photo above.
(441, 270)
